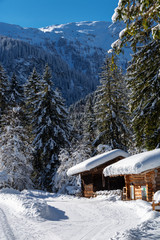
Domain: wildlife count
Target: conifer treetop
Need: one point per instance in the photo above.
(142, 20)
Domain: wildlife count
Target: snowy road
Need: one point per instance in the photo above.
(94, 219)
(5, 229)
(35, 215)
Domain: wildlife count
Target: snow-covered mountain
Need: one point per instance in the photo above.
(74, 51)
(94, 34)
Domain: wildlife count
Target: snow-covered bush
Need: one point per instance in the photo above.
(101, 148)
(3, 178)
(69, 158)
(15, 153)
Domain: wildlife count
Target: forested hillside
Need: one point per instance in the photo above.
(75, 53)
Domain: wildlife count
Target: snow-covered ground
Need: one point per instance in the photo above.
(44, 216)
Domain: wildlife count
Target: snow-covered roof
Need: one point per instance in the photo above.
(96, 161)
(134, 164)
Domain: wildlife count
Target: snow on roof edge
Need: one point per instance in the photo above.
(134, 164)
(95, 161)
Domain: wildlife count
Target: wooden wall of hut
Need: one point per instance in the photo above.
(93, 180)
(143, 185)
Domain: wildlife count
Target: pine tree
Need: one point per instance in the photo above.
(110, 108)
(16, 93)
(141, 18)
(142, 31)
(144, 83)
(51, 130)
(89, 125)
(31, 88)
(82, 118)
(4, 90)
(16, 152)
(33, 85)
(76, 117)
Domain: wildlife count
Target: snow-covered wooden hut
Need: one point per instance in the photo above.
(91, 172)
(141, 173)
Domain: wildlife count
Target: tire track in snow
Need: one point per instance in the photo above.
(7, 231)
(98, 231)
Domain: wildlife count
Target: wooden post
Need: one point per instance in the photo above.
(126, 177)
(153, 206)
(103, 181)
(155, 173)
(149, 187)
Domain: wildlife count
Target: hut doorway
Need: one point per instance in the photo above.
(114, 183)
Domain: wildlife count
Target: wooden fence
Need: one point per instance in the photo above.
(156, 206)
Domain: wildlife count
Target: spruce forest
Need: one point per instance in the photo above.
(41, 137)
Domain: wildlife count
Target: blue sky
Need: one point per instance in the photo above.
(41, 13)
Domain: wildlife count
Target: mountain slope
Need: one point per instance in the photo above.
(74, 51)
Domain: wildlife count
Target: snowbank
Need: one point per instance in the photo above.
(26, 204)
(96, 161)
(134, 164)
(156, 197)
(149, 226)
(112, 195)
